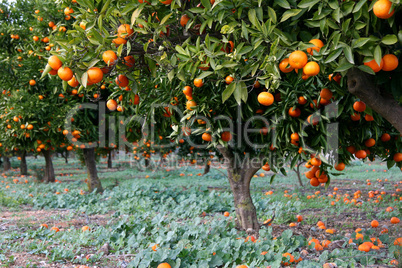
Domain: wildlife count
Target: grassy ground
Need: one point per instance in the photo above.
(182, 213)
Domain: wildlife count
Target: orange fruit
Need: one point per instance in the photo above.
(370, 142)
(229, 79)
(395, 220)
(265, 98)
(285, 67)
(32, 82)
(355, 117)
(302, 100)
(73, 82)
(109, 57)
(318, 44)
(385, 137)
(326, 94)
(122, 80)
(35, 38)
(206, 137)
(361, 154)
(54, 62)
(368, 118)
(129, 61)
(198, 82)
(314, 182)
(294, 136)
(124, 31)
(83, 25)
(311, 69)
(359, 106)
(266, 167)
(382, 9)
(85, 228)
(340, 166)
(65, 73)
(398, 157)
(166, 2)
(136, 99)
(374, 66)
(226, 136)
(316, 162)
(374, 224)
(190, 104)
(364, 247)
(30, 127)
(226, 214)
(390, 62)
(184, 20)
(95, 75)
(294, 112)
(188, 91)
(111, 105)
(118, 41)
(164, 265)
(298, 59)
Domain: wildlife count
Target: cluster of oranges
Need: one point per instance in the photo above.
(315, 175)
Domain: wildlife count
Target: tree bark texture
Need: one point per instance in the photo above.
(240, 176)
(49, 170)
(23, 163)
(6, 163)
(363, 86)
(93, 181)
(109, 160)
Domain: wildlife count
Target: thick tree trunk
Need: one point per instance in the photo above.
(362, 86)
(93, 181)
(65, 155)
(240, 175)
(109, 160)
(6, 164)
(49, 170)
(207, 167)
(23, 164)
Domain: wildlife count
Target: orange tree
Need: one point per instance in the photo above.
(275, 81)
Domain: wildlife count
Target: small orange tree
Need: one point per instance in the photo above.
(275, 81)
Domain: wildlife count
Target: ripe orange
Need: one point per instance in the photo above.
(136, 99)
(32, 82)
(226, 136)
(294, 112)
(382, 9)
(188, 91)
(359, 106)
(95, 75)
(361, 154)
(326, 94)
(35, 38)
(129, 61)
(226, 214)
(166, 2)
(340, 166)
(83, 25)
(73, 82)
(299, 218)
(206, 137)
(265, 98)
(318, 45)
(109, 57)
(229, 79)
(118, 41)
(370, 142)
(395, 220)
(65, 73)
(374, 224)
(30, 127)
(294, 136)
(111, 105)
(266, 167)
(302, 100)
(314, 182)
(285, 67)
(184, 20)
(124, 31)
(364, 247)
(311, 69)
(54, 62)
(190, 104)
(336, 78)
(355, 117)
(316, 161)
(368, 118)
(398, 157)
(298, 59)
(122, 80)
(164, 265)
(374, 66)
(198, 82)
(390, 62)
(385, 137)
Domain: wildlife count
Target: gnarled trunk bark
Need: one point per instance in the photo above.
(6, 164)
(23, 164)
(93, 181)
(207, 167)
(49, 170)
(109, 160)
(362, 86)
(240, 175)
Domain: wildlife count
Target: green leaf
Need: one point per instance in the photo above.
(348, 54)
(359, 5)
(135, 15)
(84, 79)
(389, 39)
(165, 18)
(204, 74)
(228, 91)
(244, 92)
(378, 55)
(307, 3)
(283, 3)
(180, 50)
(366, 69)
(46, 71)
(290, 13)
(360, 42)
(105, 6)
(64, 85)
(343, 67)
(272, 14)
(333, 55)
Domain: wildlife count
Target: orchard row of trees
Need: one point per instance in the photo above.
(262, 84)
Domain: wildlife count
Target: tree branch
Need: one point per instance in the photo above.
(362, 86)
